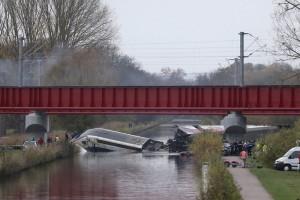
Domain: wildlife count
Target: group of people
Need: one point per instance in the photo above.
(243, 149)
(235, 148)
(49, 140)
(247, 150)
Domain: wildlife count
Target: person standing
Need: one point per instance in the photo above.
(244, 156)
(264, 148)
(40, 141)
(298, 161)
(56, 139)
(66, 137)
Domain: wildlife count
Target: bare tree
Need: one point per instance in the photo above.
(287, 24)
(77, 23)
(173, 77)
(48, 23)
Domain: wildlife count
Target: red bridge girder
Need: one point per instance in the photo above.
(198, 100)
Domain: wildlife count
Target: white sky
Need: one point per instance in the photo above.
(196, 35)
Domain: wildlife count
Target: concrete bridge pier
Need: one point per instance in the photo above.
(2, 126)
(235, 126)
(37, 123)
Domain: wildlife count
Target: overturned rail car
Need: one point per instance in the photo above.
(104, 140)
(183, 137)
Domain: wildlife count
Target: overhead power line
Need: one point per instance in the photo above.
(203, 54)
(178, 42)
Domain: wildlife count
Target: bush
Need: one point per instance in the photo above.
(277, 144)
(221, 185)
(207, 148)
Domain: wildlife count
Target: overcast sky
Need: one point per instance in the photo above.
(196, 35)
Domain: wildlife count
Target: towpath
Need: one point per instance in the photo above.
(249, 185)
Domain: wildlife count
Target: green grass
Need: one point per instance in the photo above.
(281, 185)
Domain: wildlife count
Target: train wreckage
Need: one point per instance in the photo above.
(104, 140)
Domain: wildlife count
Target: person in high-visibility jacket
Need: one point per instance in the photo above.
(244, 156)
(265, 148)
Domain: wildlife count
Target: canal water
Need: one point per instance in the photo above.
(117, 176)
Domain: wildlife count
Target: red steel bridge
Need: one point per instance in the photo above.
(196, 100)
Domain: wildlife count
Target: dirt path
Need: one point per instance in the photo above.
(249, 185)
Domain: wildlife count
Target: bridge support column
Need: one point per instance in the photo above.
(2, 125)
(234, 125)
(37, 123)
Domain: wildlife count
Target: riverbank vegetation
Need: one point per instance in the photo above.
(281, 185)
(218, 184)
(13, 139)
(17, 160)
(129, 127)
(275, 145)
(124, 123)
(135, 126)
(12, 161)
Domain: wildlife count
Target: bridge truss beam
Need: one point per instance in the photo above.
(194, 100)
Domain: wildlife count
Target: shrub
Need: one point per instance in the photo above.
(207, 146)
(277, 144)
(220, 185)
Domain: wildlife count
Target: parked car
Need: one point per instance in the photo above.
(289, 161)
(29, 144)
(227, 149)
(249, 146)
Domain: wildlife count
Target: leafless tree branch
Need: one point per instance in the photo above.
(50, 23)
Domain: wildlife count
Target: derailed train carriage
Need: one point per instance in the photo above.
(183, 137)
(104, 140)
(185, 134)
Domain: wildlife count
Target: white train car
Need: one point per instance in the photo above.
(104, 140)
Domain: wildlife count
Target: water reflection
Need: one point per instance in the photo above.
(31, 184)
(81, 179)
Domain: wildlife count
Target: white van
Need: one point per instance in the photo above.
(289, 161)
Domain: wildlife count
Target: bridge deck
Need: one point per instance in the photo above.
(208, 100)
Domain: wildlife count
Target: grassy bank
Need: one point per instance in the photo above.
(220, 185)
(133, 129)
(281, 185)
(15, 139)
(15, 161)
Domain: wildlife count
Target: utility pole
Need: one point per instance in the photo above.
(39, 80)
(20, 42)
(236, 72)
(242, 57)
